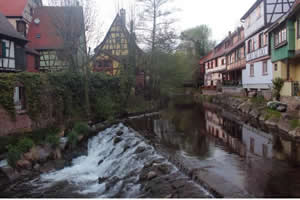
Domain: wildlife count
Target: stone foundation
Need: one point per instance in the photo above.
(234, 91)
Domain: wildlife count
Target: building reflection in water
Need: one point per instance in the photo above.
(241, 138)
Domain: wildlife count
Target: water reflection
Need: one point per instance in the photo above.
(209, 139)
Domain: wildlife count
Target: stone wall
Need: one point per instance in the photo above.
(234, 91)
(292, 102)
(22, 123)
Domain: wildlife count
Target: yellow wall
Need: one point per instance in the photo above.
(287, 89)
(281, 70)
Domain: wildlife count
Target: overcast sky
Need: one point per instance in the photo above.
(221, 15)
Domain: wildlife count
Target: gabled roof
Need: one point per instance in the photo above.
(7, 30)
(45, 35)
(124, 30)
(251, 9)
(12, 8)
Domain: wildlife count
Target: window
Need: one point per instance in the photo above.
(107, 63)
(19, 98)
(2, 49)
(21, 27)
(261, 40)
(38, 35)
(251, 70)
(275, 67)
(280, 37)
(252, 145)
(265, 68)
(249, 46)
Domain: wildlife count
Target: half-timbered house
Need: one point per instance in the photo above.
(114, 50)
(258, 74)
(45, 35)
(235, 58)
(12, 48)
(20, 15)
(216, 65)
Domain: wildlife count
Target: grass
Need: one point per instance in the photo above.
(295, 123)
(272, 114)
(259, 100)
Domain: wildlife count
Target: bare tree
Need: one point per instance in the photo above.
(156, 24)
(77, 25)
(156, 30)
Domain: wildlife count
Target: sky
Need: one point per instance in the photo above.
(221, 15)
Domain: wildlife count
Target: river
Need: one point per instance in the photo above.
(231, 157)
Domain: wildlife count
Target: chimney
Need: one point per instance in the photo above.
(123, 16)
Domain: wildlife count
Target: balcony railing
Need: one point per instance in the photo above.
(237, 65)
(232, 83)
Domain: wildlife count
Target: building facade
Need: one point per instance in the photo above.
(235, 57)
(12, 48)
(47, 37)
(215, 65)
(258, 74)
(285, 40)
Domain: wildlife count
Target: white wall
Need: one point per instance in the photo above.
(258, 81)
(8, 62)
(252, 22)
(260, 139)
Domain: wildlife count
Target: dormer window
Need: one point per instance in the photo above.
(21, 27)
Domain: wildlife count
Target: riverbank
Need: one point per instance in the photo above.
(256, 112)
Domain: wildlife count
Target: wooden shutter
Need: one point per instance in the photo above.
(20, 57)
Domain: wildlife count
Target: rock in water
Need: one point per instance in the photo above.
(100, 162)
(140, 150)
(151, 175)
(120, 133)
(24, 164)
(117, 140)
(101, 180)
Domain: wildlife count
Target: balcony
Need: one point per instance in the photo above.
(258, 53)
(237, 65)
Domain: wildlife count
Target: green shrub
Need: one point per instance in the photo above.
(14, 155)
(81, 128)
(272, 114)
(259, 100)
(53, 140)
(73, 139)
(25, 144)
(277, 87)
(295, 123)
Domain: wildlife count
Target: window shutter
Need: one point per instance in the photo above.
(3, 49)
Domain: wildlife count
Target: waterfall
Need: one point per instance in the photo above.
(116, 162)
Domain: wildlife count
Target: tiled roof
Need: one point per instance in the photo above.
(8, 30)
(46, 34)
(12, 7)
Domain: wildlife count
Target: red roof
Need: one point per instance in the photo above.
(12, 7)
(45, 35)
(206, 58)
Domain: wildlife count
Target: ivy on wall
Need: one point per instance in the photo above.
(7, 85)
(64, 92)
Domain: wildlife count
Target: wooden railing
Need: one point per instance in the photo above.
(236, 65)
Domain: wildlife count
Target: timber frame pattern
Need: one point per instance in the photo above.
(274, 9)
(114, 49)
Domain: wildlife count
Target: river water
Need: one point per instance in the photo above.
(202, 139)
(225, 151)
